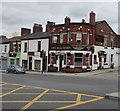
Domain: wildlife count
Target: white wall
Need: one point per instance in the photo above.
(33, 48)
(108, 51)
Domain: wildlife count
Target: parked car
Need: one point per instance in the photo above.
(16, 69)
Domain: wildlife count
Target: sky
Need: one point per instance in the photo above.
(17, 15)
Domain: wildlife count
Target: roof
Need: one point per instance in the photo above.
(38, 35)
(3, 39)
(98, 22)
(16, 38)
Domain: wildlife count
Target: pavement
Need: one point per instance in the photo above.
(108, 74)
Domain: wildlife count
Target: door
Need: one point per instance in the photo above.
(100, 62)
(30, 63)
(60, 62)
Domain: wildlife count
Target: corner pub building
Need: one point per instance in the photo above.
(81, 46)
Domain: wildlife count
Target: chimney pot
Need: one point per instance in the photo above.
(25, 31)
(67, 20)
(92, 18)
(37, 28)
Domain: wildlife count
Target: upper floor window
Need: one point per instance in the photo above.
(105, 40)
(39, 45)
(14, 47)
(25, 47)
(5, 48)
(19, 47)
(69, 37)
(79, 37)
(54, 38)
(112, 42)
(61, 38)
(88, 38)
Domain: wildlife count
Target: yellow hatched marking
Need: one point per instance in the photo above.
(72, 105)
(7, 88)
(78, 98)
(38, 101)
(34, 100)
(12, 91)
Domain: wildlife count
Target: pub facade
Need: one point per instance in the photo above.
(78, 47)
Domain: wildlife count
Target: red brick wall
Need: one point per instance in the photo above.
(106, 31)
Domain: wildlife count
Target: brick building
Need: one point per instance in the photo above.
(81, 46)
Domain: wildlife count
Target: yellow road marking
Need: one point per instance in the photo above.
(72, 105)
(12, 91)
(39, 93)
(38, 101)
(78, 98)
(34, 100)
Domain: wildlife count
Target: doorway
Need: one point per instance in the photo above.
(30, 63)
(60, 62)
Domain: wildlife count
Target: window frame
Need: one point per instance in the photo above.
(80, 37)
(81, 57)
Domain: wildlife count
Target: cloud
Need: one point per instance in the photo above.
(24, 14)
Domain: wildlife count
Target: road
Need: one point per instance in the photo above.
(68, 90)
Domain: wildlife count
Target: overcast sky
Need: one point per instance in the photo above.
(16, 15)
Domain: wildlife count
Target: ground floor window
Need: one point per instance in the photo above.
(17, 61)
(11, 61)
(52, 58)
(111, 58)
(88, 59)
(37, 65)
(95, 59)
(105, 58)
(24, 63)
(68, 58)
(0, 64)
(78, 59)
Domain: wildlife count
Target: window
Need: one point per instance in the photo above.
(37, 65)
(88, 38)
(69, 37)
(54, 39)
(39, 45)
(61, 38)
(105, 40)
(5, 48)
(14, 47)
(11, 61)
(52, 58)
(24, 63)
(19, 47)
(17, 61)
(112, 42)
(95, 59)
(88, 59)
(68, 58)
(25, 47)
(79, 37)
(112, 57)
(105, 58)
(78, 59)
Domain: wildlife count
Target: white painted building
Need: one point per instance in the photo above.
(109, 59)
(31, 47)
(4, 49)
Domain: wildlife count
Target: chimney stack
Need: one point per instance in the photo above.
(48, 25)
(37, 28)
(25, 31)
(67, 20)
(92, 18)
